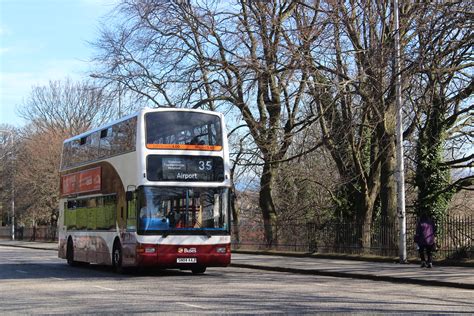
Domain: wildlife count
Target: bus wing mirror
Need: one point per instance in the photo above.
(129, 195)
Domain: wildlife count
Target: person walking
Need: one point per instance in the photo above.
(425, 238)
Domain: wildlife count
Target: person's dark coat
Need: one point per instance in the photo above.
(425, 232)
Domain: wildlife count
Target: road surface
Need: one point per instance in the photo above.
(35, 281)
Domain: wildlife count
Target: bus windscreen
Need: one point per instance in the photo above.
(183, 130)
(175, 210)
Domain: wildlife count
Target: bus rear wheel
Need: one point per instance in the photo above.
(117, 258)
(70, 253)
(199, 270)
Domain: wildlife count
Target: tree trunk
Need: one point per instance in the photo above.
(388, 190)
(367, 223)
(266, 204)
(235, 219)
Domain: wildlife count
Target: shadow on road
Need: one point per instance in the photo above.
(18, 271)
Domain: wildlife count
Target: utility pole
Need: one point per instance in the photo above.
(402, 241)
(13, 205)
(13, 182)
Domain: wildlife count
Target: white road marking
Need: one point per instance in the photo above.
(59, 279)
(191, 305)
(21, 271)
(104, 288)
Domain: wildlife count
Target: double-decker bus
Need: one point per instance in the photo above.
(151, 189)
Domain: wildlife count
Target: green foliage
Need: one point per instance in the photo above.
(348, 201)
(432, 178)
(366, 151)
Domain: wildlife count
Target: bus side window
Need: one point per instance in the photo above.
(70, 215)
(104, 143)
(93, 149)
(132, 213)
(75, 157)
(110, 210)
(67, 156)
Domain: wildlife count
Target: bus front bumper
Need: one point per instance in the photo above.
(183, 256)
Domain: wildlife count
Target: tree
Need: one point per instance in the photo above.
(445, 126)
(281, 67)
(213, 55)
(37, 180)
(55, 112)
(67, 107)
(354, 96)
(359, 129)
(8, 138)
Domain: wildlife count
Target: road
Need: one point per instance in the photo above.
(35, 281)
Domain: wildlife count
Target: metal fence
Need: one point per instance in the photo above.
(39, 233)
(455, 237)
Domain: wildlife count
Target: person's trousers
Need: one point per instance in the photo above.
(429, 253)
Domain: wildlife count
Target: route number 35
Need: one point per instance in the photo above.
(205, 165)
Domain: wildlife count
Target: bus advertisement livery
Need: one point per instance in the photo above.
(149, 190)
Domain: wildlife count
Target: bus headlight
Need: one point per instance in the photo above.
(150, 250)
(221, 249)
(145, 249)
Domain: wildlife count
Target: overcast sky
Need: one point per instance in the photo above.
(42, 40)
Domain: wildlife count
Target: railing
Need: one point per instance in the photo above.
(455, 237)
(39, 233)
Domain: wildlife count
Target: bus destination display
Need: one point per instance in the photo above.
(185, 168)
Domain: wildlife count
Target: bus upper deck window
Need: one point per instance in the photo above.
(183, 130)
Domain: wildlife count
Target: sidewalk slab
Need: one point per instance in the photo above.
(460, 277)
(30, 244)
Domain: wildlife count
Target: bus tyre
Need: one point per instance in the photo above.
(70, 253)
(117, 258)
(199, 270)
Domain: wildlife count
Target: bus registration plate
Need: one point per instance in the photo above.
(186, 260)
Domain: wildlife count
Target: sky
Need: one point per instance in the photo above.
(43, 40)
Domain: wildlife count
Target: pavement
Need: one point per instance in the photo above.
(447, 276)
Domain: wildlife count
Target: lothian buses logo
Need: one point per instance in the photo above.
(187, 250)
